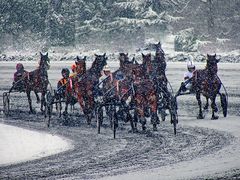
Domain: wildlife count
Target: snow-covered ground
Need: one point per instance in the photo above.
(19, 145)
(202, 148)
(216, 164)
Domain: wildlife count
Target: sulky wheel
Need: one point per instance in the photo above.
(6, 103)
(113, 120)
(99, 117)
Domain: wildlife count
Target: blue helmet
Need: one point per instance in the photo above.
(119, 75)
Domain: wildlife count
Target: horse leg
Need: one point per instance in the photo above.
(207, 104)
(80, 101)
(37, 96)
(88, 110)
(198, 97)
(142, 119)
(214, 108)
(43, 101)
(152, 99)
(30, 102)
(135, 119)
(129, 116)
(65, 112)
(140, 110)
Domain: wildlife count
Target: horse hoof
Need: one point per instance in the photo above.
(32, 112)
(154, 128)
(135, 130)
(132, 131)
(214, 118)
(144, 128)
(200, 117)
(65, 113)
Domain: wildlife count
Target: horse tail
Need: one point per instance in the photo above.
(224, 98)
(224, 103)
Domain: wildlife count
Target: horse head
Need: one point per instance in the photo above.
(147, 63)
(212, 64)
(159, 55)
(123, 58)
(138, 71)
(44, 62)
(81, 65)
(99, 63)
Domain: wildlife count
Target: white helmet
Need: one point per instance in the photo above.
(106, 68)
(190, 64)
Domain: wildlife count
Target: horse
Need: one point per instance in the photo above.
(37, 81)
(70, 93)
(85, 87)
(118, 88)
(156, 70)
(207, 83)
(145, 95)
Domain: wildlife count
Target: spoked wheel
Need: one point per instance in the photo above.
(113, 120)
(6, 104)
(99, 117)
(114, 125)
(98, 121)
(224, 104)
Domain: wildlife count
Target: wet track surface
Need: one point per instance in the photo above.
(99, 155)
(95, 155)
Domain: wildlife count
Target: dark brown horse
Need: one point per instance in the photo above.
(86, 86)
(70, 94)
(207, 83)
(37, 81)
(156, 69)
(145, 95)
(118, 88)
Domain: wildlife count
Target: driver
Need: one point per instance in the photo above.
(18, 75)
(187, 84)
(61, 85)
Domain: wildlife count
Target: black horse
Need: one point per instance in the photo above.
(207, 83)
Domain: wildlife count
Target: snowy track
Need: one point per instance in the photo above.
(100, 155)
(201, 149)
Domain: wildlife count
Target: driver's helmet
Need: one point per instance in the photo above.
(66, 72)
(190, 65)
(119, 75)
(19, 66)
(106, 68)
(73, 67)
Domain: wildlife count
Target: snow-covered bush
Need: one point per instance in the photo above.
(186, 41)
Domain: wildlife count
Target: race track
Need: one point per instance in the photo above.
(202, 148)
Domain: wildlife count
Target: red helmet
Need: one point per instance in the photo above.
(19, 66)
(73, 66)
